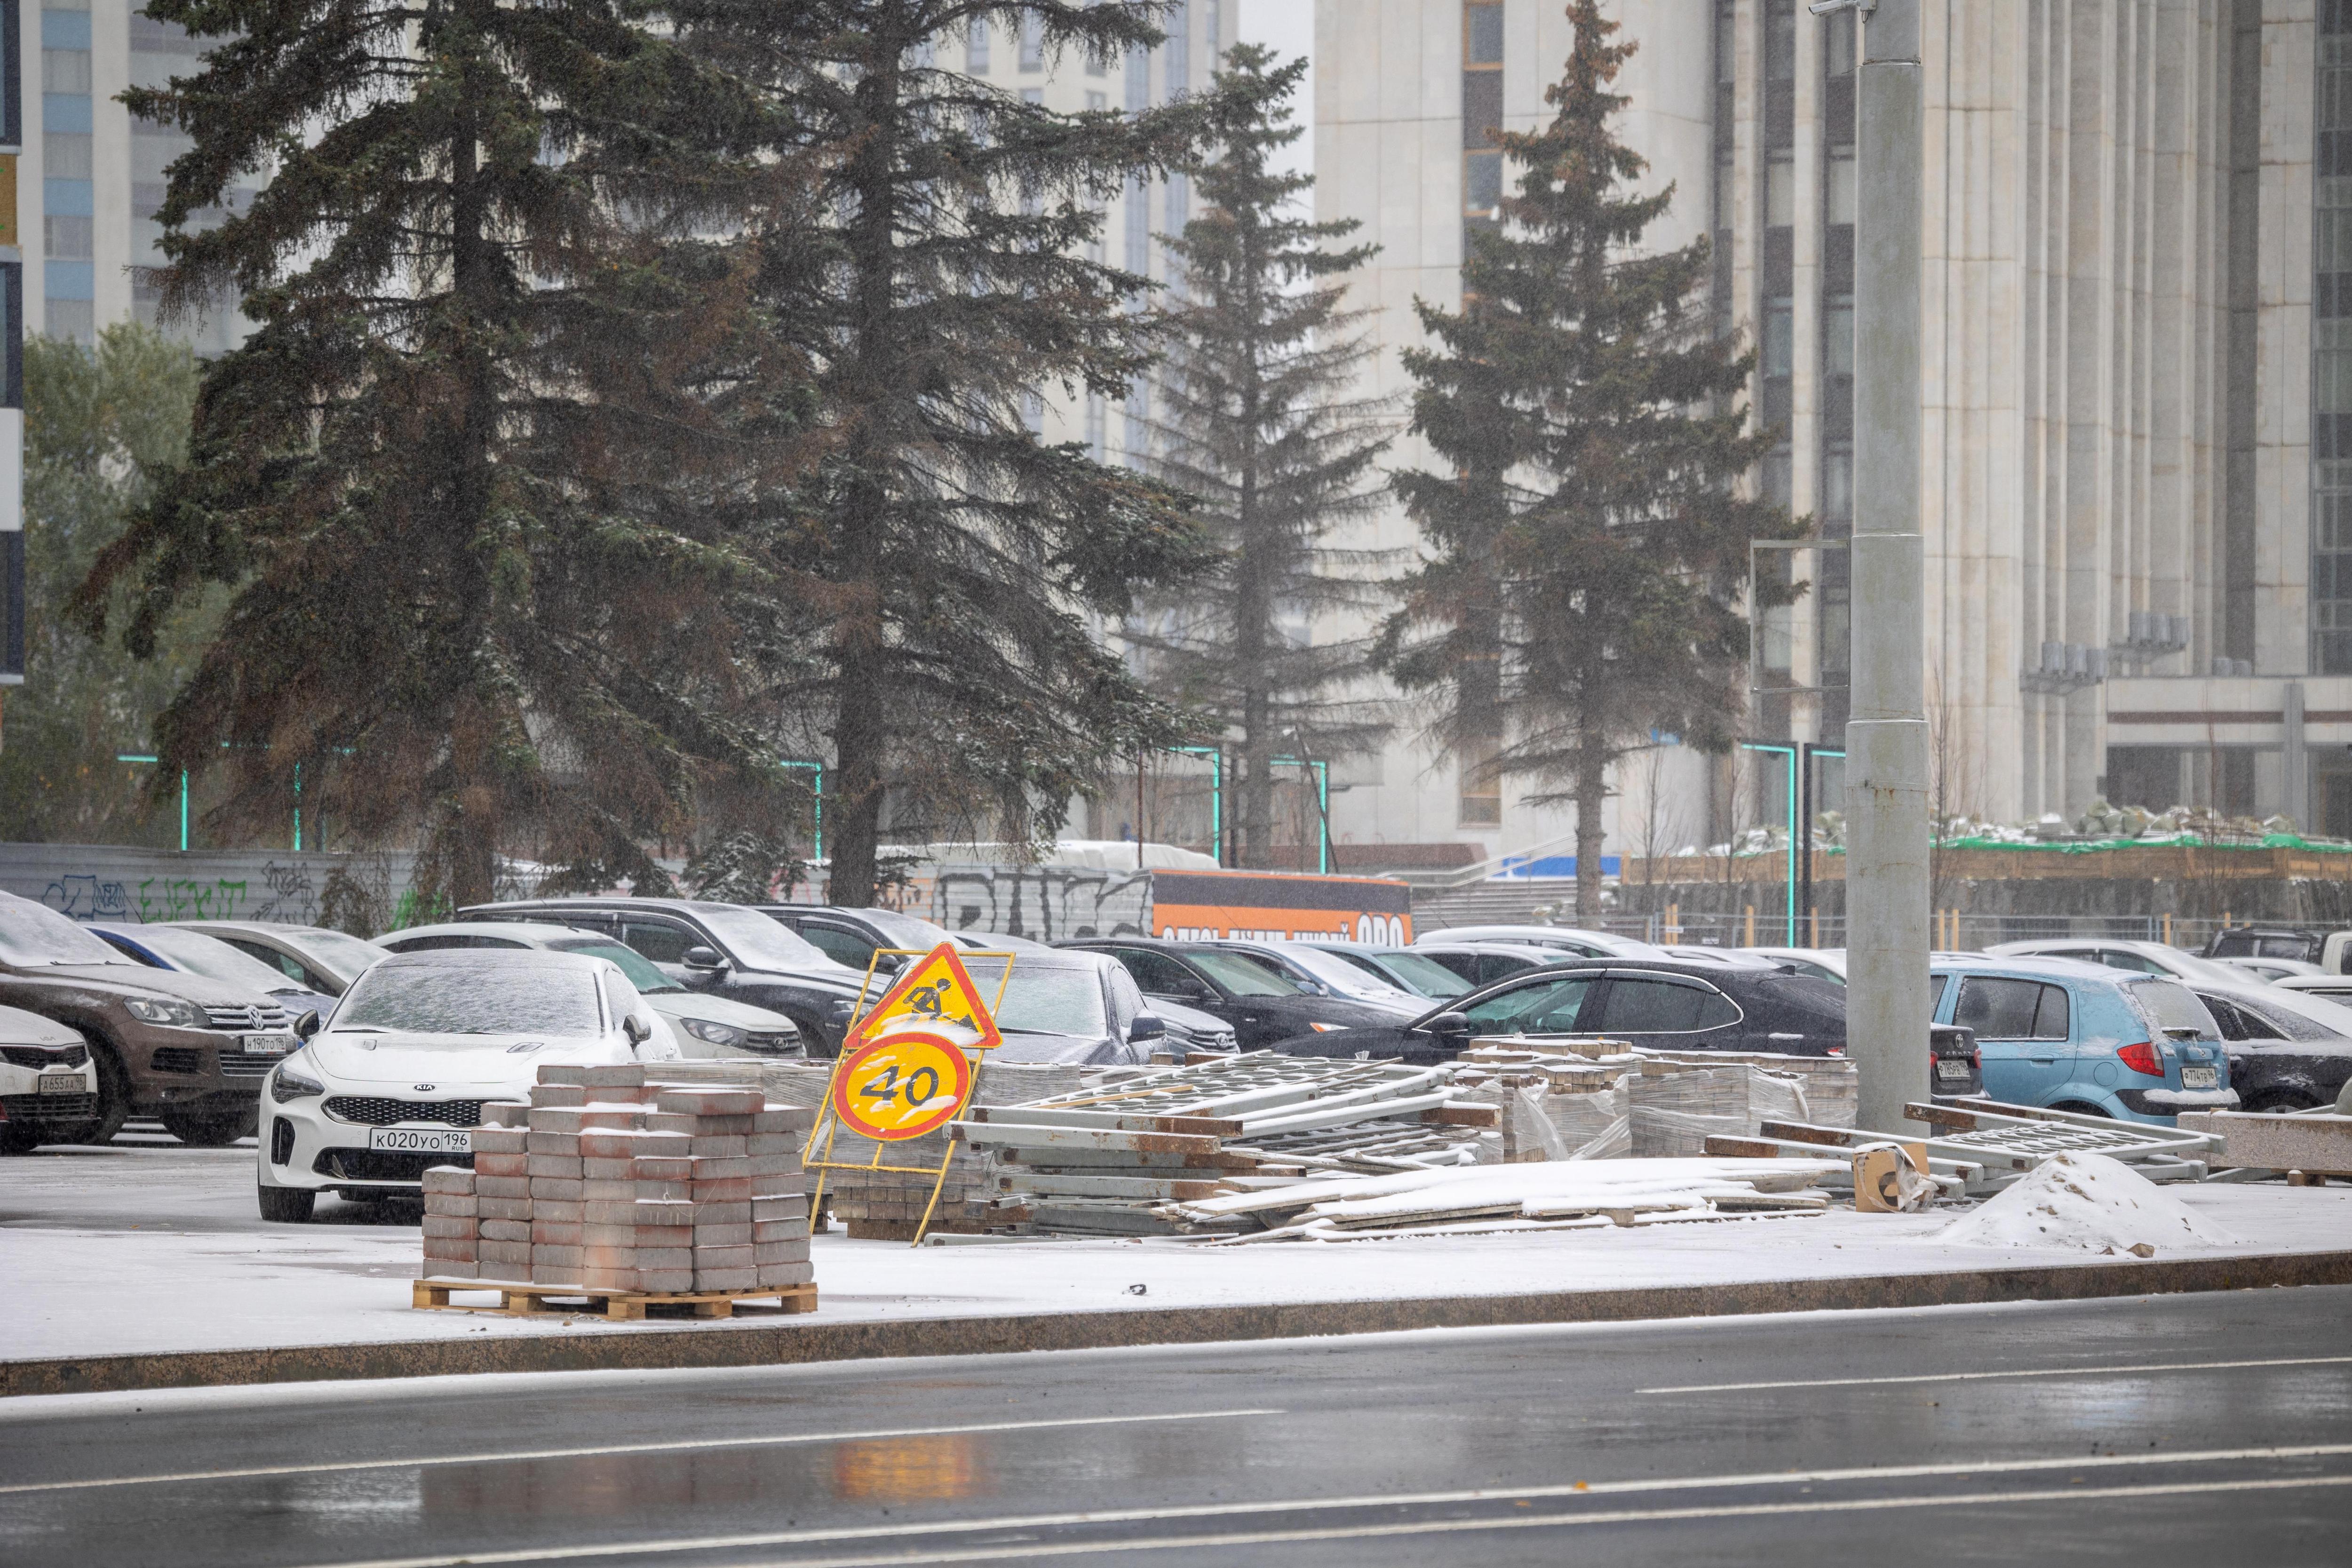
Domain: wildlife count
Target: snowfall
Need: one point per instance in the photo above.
(153, 1249)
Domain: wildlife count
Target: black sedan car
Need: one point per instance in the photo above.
(2289, 1050)
(725, 950)
(1261, 1005)
(1662, 1004)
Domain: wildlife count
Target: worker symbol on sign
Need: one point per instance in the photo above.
(934, 990)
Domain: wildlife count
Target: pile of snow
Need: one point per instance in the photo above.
(2086, 1202)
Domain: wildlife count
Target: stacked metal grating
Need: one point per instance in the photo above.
(610, 1181)
(1975, 1148)
(1581, 1194)
(1106, 1161)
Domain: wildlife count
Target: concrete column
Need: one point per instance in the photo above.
(1886, 743)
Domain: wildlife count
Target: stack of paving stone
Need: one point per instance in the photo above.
(887, 1205)
(609, 1181)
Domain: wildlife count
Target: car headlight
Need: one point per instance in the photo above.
(285, 1084)
(169, 1010)
(715, 1032)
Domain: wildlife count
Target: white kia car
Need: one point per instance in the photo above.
(398, 1081)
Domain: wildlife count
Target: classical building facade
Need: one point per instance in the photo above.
(2138, 271)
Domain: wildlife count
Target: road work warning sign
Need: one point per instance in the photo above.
(905, 1084)
(934, 991)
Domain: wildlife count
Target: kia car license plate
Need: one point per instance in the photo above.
(63, 1083)
(270, 1045)
(422, 1140)
(2198, 1078)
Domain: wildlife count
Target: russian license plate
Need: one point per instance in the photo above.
(270, 1045)
(2198, 1078)
(1951, 1070)
(422, 1140)
(63, 1083)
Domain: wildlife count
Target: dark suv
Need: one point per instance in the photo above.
(725, 950)
(854, 936)
(189, 1051)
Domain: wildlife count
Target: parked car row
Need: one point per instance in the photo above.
(184, 1021)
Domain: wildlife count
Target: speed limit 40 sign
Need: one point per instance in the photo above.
(901, 1086)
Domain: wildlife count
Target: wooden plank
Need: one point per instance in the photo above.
(522, 1300)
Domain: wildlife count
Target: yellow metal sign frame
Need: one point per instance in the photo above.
(828, 1125)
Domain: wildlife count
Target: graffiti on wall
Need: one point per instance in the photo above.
(1044, 903)
(287, 894)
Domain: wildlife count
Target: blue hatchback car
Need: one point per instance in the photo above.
(2079, 1037)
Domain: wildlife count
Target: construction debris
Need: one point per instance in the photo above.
(1983, 1146)
(612, 1183)
(1514, 1198)
(1100, 1161)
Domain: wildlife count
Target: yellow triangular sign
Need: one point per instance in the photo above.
(934, 990)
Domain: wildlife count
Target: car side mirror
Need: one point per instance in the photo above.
(1147, 1026)
(636, 1029)
(1447, 1024)
(703, 957)
(305, 1026)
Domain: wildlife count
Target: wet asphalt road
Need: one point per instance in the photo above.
(2092, 1431)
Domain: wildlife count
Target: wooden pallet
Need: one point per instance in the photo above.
(525, 1300)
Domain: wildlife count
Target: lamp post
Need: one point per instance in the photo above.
(1886, 739)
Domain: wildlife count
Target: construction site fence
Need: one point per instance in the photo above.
(1955, 930)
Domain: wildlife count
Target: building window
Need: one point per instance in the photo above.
(2331, 342)
(1479, 802)
(1033, 41)
(1481, 116)
(65, 155)
(975, 46)
(1098, 418)
(66, 239)
(1032, 413)
(1726, 84)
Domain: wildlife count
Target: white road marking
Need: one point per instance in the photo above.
(477, 1559)
(2108, 1370)
(1029, 1553)
(683, 1446)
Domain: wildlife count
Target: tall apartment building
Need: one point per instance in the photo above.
(93, 177)
(2138, 236)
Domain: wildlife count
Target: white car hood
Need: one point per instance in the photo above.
(447, 1061)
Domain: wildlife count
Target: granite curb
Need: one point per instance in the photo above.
(810, 1338)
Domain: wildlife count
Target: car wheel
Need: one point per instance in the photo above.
(2078, 1107)
(2282, 1101)
(211, 1130)
(18, 1138)
(113, 1099)
(284, 1205)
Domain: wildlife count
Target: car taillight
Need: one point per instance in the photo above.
(1976, 1060)
(2140, 1057)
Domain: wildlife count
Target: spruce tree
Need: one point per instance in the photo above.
(1261, 427)
(454, 473)
(950, 566)
(1589, 537)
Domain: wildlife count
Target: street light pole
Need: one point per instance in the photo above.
(1887, 740)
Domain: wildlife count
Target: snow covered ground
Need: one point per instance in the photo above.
(152, 1249)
